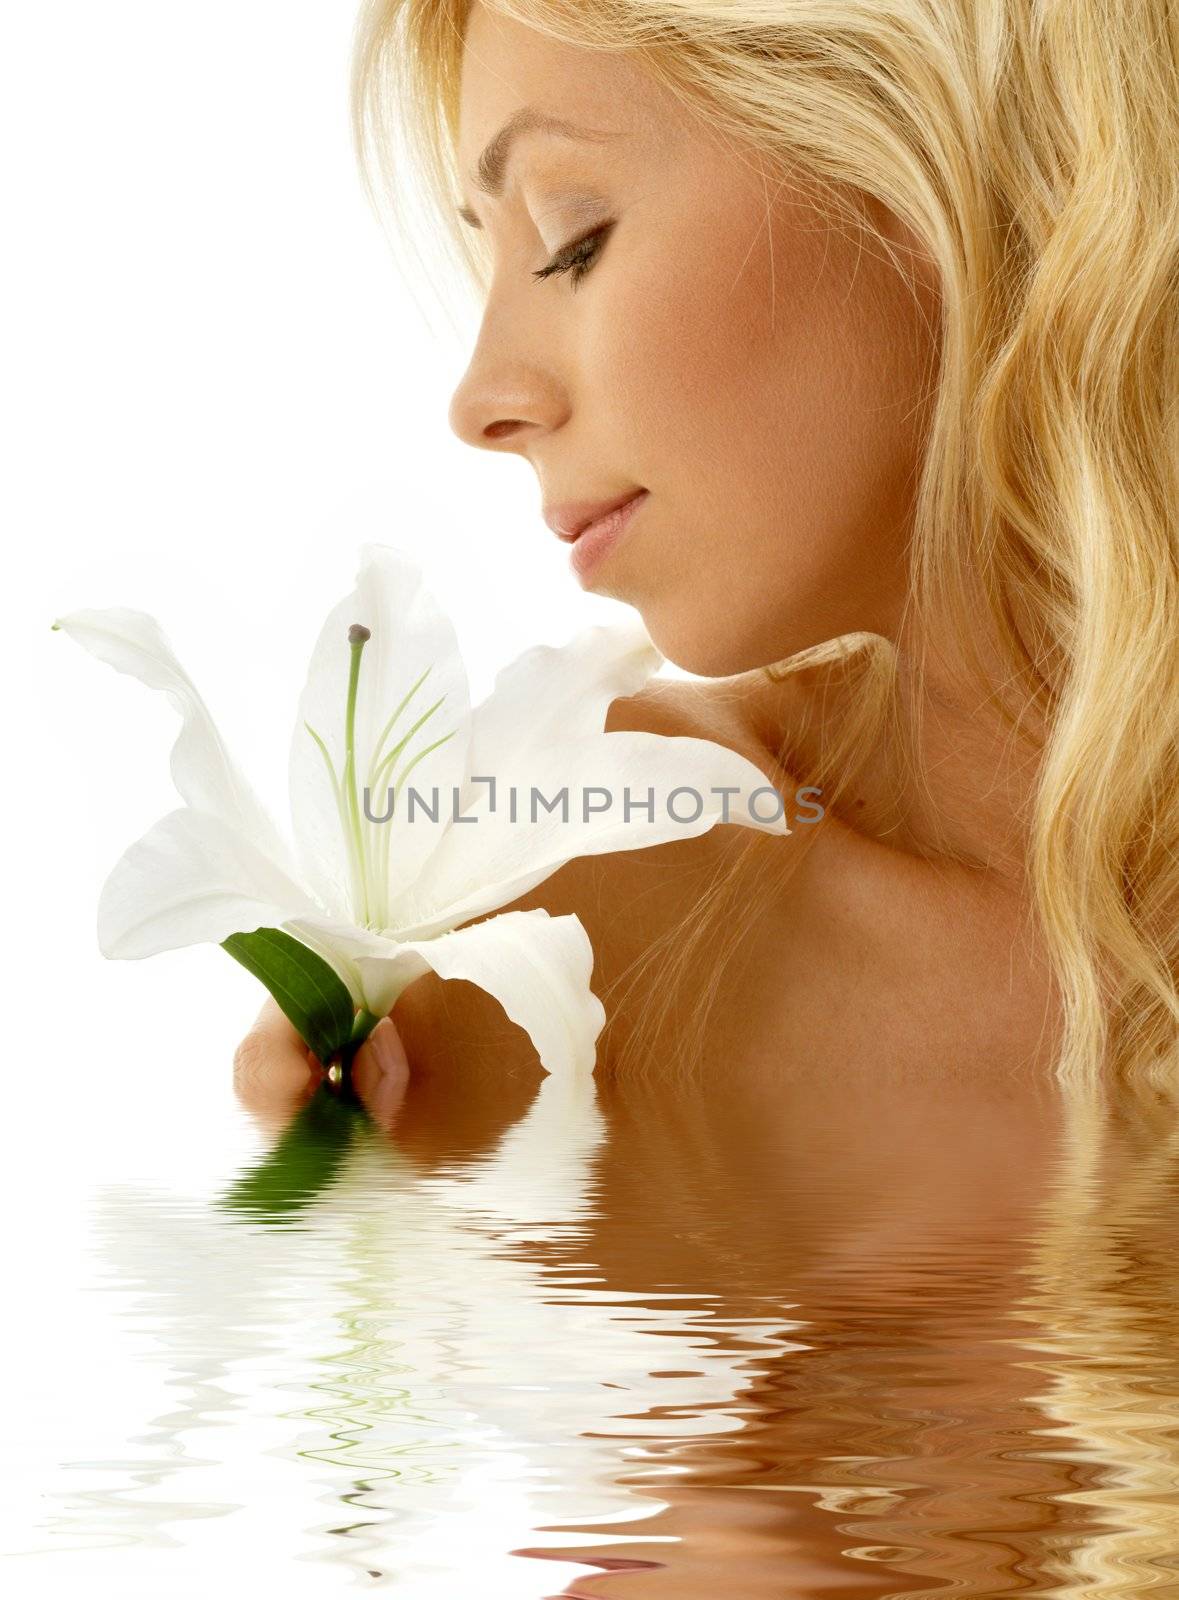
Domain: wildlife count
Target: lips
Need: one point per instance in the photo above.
(569, 520)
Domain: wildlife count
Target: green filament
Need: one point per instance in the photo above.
(323, 750)
(358, 637)
(391, 758)
(370, 874)
(391, 724)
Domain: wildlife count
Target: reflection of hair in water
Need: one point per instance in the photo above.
(1059, 1443)
(1105, 1283)
(1034, 157)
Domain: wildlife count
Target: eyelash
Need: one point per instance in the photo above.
(578, 257)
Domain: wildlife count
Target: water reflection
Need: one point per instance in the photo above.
(774, 1341)
(307, 1157)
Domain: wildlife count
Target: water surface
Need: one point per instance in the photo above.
(598, 1340)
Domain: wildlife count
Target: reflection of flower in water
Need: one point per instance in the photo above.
(449, 1349)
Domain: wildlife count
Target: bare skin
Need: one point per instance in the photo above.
(872, 1102)
(779, 445)
(871, 965)
(887, 1014)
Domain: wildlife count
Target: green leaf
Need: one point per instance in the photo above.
(309, 992)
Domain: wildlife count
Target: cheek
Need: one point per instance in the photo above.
(767, 385)
(766, 389)
(688, 343)
(730, 348)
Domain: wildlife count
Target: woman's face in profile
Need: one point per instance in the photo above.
(710, 340)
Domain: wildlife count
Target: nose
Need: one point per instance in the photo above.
(510, 396)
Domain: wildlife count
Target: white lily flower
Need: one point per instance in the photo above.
(382, 901)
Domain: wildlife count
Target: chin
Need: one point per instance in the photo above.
(739, 637)
(702, 650)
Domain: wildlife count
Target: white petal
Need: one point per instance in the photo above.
(339, 943)
(552, 694)
(409, 633)
(538, 967)
(487, 862)
(202, 769)
(191, 879)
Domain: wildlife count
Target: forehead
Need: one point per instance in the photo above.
(507, 65)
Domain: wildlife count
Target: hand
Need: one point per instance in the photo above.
(274, 1073)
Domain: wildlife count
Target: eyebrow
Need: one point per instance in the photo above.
(492, 166)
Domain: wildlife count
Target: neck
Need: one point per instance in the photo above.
(947, 779)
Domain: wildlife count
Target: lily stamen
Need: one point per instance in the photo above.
(337, 955)
(358, 637)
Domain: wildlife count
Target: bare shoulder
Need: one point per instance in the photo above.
(662, 705)
(628, 901)
(738, 711)
(862, 953)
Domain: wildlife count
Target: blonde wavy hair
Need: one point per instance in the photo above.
(1033, 147)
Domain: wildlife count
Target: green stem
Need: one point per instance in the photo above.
(364, 1024)
(339, 1068)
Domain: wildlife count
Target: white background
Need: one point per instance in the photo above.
(215, 386)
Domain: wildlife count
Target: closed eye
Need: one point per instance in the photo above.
(577, 257)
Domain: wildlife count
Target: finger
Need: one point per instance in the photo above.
(380, 1073)
(273, 1071)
